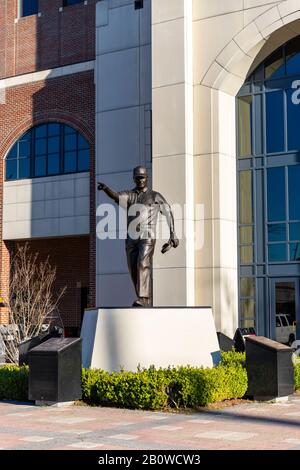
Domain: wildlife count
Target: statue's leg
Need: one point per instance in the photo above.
(144, 265)
(132, 252)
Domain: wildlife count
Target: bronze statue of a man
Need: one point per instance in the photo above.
(140, 242)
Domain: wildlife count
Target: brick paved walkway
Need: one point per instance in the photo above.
(246, 426)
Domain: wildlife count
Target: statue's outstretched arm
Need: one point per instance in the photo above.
(110, 192)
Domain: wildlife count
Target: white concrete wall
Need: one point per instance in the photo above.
(228, 39)
(123, 123)
(46, 207)
(172, 92)
(247, 32)
(201, 53)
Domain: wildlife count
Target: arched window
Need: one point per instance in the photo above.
(268, 185)
(47, 150)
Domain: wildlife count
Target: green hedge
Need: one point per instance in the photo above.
(158, 389)
(297, 375)
(14, 383)
(233, 358)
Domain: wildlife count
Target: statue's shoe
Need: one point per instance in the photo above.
(137, 303)
(141, 303)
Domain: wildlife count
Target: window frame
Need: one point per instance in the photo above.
(81, 145)
(65, 3)
(21, 9)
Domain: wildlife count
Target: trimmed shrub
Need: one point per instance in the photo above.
(232, 358)
(144, 389)
(297, 375)
(157, 389)
(14, 382)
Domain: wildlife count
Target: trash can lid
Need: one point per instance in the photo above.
(54, 345)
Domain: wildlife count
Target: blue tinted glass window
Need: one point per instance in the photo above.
(53, 144)
(295, 232)
(40, 166)
(274, 121)
(276, 194)
(24, 148)
(69, 130)
(27, 136)
(70, 162)
(41, 131)
(277, 252)
(277, 232)
(293, 57)
(24, 168)
(72, 2)
(40, 146)
(11, 169)
(70, 142)
(82, 143)
(295, 251)
(53, 164)
(293, 118)
(294, 197)
(13, 152)
(245, 106)
(53, 129)
(29, 7)
(83, 160)
(48, 149)
(274, 66)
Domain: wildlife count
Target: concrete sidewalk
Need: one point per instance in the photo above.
(245, 426)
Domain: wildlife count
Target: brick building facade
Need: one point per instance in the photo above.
(47, 72)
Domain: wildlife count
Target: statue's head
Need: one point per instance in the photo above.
(140, 177)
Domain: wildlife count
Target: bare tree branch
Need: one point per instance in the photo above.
(30, 302)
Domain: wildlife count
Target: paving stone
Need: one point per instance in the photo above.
(123, 437)
(199, 421)
(227, 435)
(167, 428)
(36, 439)
(85, 445)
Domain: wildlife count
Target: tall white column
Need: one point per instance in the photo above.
(172, 94)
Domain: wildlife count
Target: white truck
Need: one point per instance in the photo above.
(285, 328)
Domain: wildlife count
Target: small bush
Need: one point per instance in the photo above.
(144, 389)
(297, 375)
(14, 383)
(233, 358)
(157, 389)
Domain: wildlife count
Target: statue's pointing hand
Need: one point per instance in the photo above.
(101, 186)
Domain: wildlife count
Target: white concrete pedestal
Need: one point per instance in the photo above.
(125, 338)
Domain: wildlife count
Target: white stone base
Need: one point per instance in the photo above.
(126, 338)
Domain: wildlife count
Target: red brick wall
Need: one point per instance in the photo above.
(70, 256)
(69, 99)
(51, 40)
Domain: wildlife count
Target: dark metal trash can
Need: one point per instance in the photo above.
(55, 370)
(269, 368)
(239, 338)
(225, 343)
